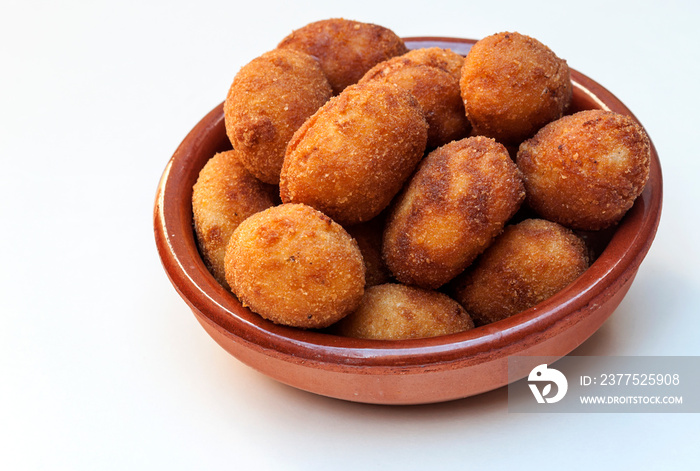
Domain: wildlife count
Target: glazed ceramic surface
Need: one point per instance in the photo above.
(411, 371)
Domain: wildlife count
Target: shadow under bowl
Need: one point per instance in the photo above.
(409, 371)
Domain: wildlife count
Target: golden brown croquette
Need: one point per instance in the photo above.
(437, 92)
(293, 265)
(350, 158)
(444, 59)
(528, 263)
(346, 49)
(586, 170)
(512, 85)
(269, 99)
(224, 195)
(395, 312)
(458, 200)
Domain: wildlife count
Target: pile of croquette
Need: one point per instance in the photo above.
(383, 193)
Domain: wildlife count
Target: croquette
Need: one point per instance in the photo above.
(528, 263)
(224, 195)
(353, 156)
(294, 266)
(444, 59)
(459, 199)
(346, 49)
(512, 85)
(395, 312)
(437, 92)
(586, 170)
(269, 99)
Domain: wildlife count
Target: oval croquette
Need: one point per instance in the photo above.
(293, 265)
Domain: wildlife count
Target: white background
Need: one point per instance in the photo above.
(104, 367)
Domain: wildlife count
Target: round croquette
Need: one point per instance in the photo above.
(346, 49)
(437, 92)
(586, 170)
(269, 99)
(444, 59)
(512, 85)
(293, 265)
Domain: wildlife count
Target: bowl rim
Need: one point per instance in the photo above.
(175, 241)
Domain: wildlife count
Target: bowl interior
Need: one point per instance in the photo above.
(617, 249)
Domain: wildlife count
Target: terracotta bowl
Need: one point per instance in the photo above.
(399, 372)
